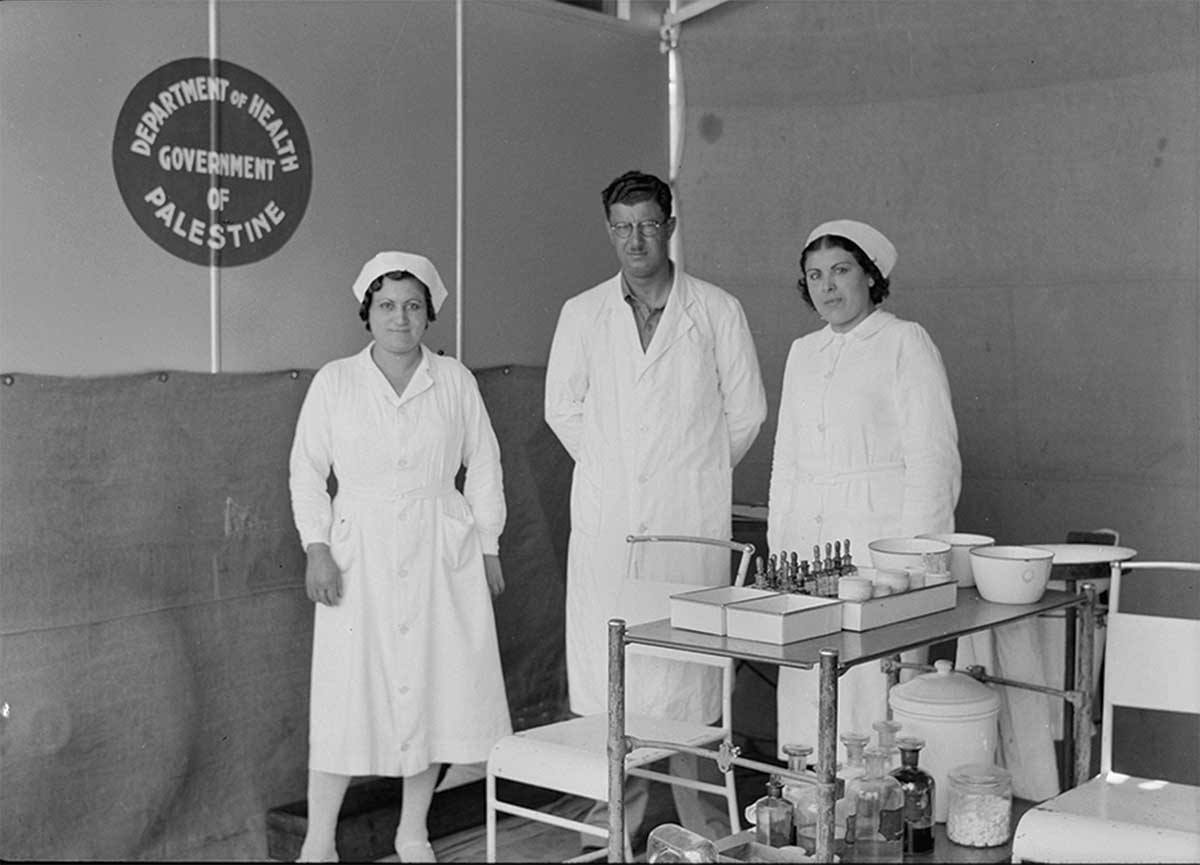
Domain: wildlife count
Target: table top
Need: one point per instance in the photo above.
(971, 614)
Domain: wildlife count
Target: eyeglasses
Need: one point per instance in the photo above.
(645, 228)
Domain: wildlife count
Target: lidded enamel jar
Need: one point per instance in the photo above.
(955, 714)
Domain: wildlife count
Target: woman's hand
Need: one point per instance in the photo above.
(495, 577)
(322, 579)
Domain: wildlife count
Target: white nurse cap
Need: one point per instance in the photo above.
(877, 247)
(387, 262)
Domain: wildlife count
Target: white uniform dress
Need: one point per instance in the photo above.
(654, 436)
(866, 448)
(406, 668)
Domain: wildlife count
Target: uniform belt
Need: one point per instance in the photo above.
(851, 474)
(371, 494)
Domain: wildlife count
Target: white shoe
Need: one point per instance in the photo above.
(416, 851)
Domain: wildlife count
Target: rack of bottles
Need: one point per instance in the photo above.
(787, 572)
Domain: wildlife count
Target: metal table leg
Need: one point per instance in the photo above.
(617, 745)
(827, 754)
(1070, 638)
(1083, 717)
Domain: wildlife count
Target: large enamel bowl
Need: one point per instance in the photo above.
(896, 554)
(1011, 574)
(960, 548)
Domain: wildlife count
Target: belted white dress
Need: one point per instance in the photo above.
(406, 668)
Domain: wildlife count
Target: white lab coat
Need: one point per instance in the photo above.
(406, 668)
(866, 448)
(655, 436)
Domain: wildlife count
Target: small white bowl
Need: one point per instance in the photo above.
(896, 554)
(1011, 574)
(960, 547)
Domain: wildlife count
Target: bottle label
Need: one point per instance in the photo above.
(918, 808)
(891, 824)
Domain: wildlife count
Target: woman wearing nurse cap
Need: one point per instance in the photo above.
(402, 567)
(866, 445)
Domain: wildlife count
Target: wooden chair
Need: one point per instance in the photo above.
(572, 756)
(1117, 817)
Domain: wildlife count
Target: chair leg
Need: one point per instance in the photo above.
(491, 817)
(735, 823)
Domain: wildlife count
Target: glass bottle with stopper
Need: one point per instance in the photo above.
(773, 816)
(918, 787)
(878, 813)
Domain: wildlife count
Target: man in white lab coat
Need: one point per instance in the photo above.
(653, 386)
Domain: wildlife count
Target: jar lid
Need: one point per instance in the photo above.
(980, 775)
(944, 693)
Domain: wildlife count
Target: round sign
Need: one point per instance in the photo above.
(212, 162)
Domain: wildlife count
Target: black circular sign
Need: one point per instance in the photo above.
(212, 161)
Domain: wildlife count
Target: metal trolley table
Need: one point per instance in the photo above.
(833, 654)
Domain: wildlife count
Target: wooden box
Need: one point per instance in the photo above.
(783, 618)
(704, 609)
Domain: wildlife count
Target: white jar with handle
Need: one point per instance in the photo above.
(955, 714)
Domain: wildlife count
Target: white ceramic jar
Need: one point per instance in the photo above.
(956, 715)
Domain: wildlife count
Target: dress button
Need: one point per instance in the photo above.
(403, 573)
(402, 462)
(404, 689)
(404, 747)
(403, 629)
(820, 427)
(818, 519)
(829, 375)
(641, 479)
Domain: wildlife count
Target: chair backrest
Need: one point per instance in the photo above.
(1151, 661)
(724, 664)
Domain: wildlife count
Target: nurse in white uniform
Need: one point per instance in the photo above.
(866, 446)
(402, 566)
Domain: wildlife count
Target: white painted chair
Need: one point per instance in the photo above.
(572, 756)
(1152, 663)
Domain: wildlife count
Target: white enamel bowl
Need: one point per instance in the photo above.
(896, 554)
(960, 546)
(1010, 574)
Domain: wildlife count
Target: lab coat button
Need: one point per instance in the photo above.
(818, 519)
(404, 747)
(404, 689)
(641, 479)
(829, 375)
(403, 629)
(642, 528)
(820, 427)
(403, 573)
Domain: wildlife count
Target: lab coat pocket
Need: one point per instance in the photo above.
(460, 544)
(585, 505)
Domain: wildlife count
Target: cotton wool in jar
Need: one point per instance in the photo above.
(980, 805)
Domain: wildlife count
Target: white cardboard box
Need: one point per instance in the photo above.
(877, 612)
(783, 618)
(704, 609)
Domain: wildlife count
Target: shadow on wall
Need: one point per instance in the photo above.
(154, 634)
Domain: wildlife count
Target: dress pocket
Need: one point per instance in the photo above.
(459, 542)
(341, 543)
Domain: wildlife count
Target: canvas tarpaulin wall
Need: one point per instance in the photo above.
(154, 633)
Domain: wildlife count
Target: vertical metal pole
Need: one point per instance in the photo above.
(827, 753)
(893, 679)
(1070, 639)
(1083, 721)
(616, 740)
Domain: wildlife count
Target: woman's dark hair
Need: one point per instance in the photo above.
(880, 286)
(635, 186)
(364, 308)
